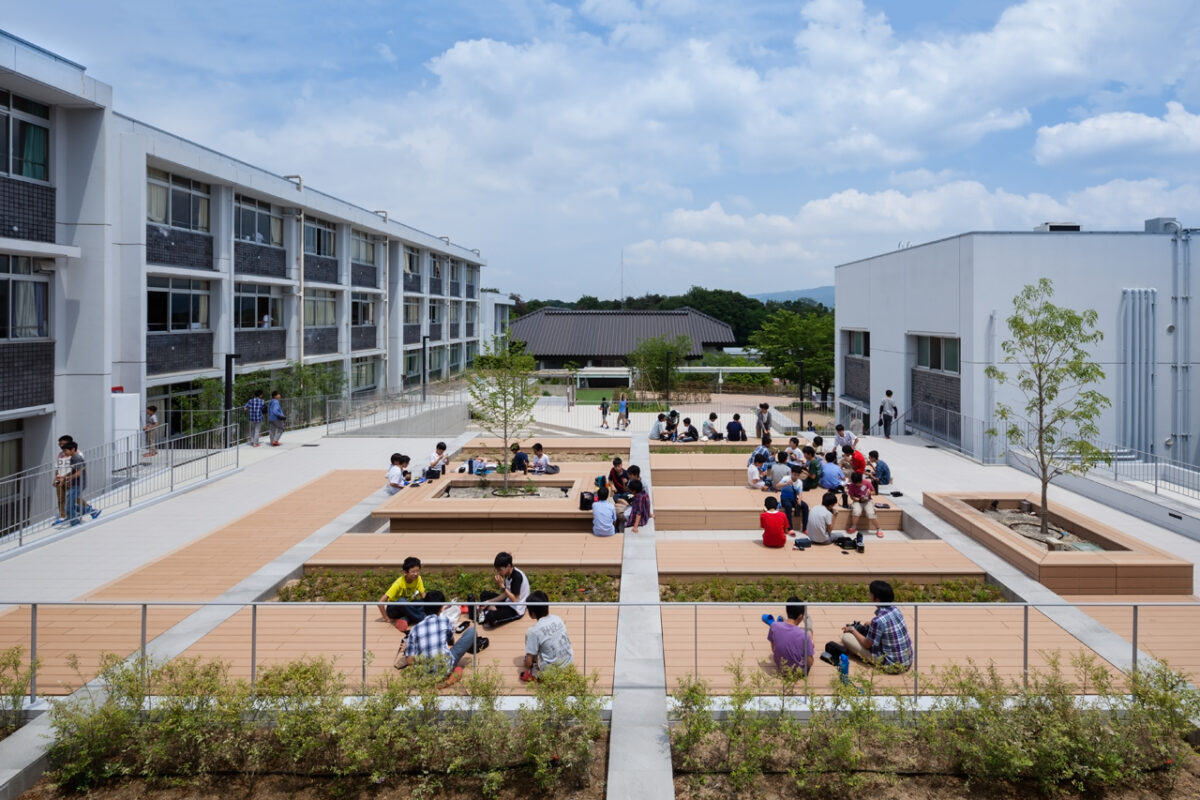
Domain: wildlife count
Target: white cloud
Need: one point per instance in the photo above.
(385, 53)
(1175, 133)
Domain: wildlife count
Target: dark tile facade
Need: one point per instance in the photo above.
(437, 286)
(319, 341)
(261, 345)
(178, 352)
(455, 289)
(938, 389)
(412, 283)
(175, 247)
(363, 275)
(470, 326)
(258, 259)
(471, 291)
(412, 334)
(320, 268)
(26, 210)
(362, 337)
(435, 333)
(856, 377)
(454, 330)
(26, 374)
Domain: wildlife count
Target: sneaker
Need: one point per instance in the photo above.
(95, 512)
(828, 658)
(481, 644)
(401, 625)
(526, 676)
(462, 626)
(75, 522)
(452, 678)
(879, 534)
(59, 521)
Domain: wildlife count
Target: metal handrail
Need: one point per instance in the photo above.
(914, 629)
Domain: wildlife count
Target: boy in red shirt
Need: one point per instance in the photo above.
(774, 524)
(860, 493)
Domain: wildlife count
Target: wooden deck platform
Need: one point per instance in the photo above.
(565, 551)
(913, 561)
(737, 508)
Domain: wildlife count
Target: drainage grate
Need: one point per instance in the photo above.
(310, 445)
(927, 447)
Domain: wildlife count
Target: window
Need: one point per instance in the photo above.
(472, 311)
(363, 374)
(412, 261)
(436, 356)
(859, 343)
(455, 271)
(455, 313)
(320, 308)
(435, 314)
(455, 357)
(937, 353)
(24, 299)
(257, 306)
(472, 351)
(176, 304)
(362, 249)
(412, 311)
(254, 222)
(436, 263)
(24, 137)
(319, 238)
(362, 309)
(175, 201)
(412, 365)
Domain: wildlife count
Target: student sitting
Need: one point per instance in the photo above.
(688, 433)
(658, 431)
(791, 646)
(754, 473)
(780, 473)
(672, 426)
(881, 473)
(818, 446)
(734, 430)
(438, 460)
(795, 454)
(763, 449)
(639, 511)
(546, 642)
(709, 429)
(395, 474)
(861, 492)
(429, 642)
(813, 469)
(605, 521)
(832, 477)
(618, 478)
(820, 522)
(852, 460)
(401, 598)
(541, 462)
(520, 461)
(774, 524)
(514, 589)
(843, 437)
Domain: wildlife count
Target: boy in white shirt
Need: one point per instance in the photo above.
(395, 474)
(546, 642)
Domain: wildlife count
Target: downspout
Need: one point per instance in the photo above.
(387, 307)
(1179, 439)
(300, 262)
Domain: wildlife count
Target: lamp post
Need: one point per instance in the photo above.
(800, 389)
(424, 365)
(668, 381)
(229, 359)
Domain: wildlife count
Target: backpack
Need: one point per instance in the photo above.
(586, 499)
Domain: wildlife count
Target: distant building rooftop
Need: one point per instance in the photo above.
(550, 332)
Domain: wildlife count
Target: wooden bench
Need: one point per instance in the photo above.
(736, 508)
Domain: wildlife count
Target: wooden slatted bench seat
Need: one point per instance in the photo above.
(737, 508)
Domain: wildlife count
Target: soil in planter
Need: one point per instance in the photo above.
(515, 489)
(1028, 525)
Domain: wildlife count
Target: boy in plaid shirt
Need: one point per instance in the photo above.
(431, 642)
(254, 407)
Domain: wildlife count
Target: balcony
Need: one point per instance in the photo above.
(178, 352)
(455, 289)
(435, 332)
(28, 370)
(259, 259)
(412, 282)
(320, 269)
(362, 337)
(412, 333)
(174, 247)
(364, 275)
(453, 330)
(320, 341)
(470, 331)
(26, 210)
(257, 346)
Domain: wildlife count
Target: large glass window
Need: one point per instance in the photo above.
(362, 309)
(412, 365)
(24, 299)
(257, 306)
(455, 271)
(455, 313)
(412, 311)
(24, 137)
(412, 261)
(472, 311)
(436, 264)
(362, 249)
(253, 221)
(176, 304)
(320, 238)
(320, 308)
(364, 374)
(859, 343)
(175, 201)
(938, 353)
(435, 313)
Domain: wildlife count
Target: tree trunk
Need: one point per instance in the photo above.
(1045, 509)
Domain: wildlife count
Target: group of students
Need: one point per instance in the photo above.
(430, 623)
(539, 465)
(398, 474)
(621, 500)
(70, 482)
(884, 642)
(797, 469)
(622, 412)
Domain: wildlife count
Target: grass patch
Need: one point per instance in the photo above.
(777, 590)
(341, 587)
(686, 447)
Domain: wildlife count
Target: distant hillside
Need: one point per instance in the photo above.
(822, 294)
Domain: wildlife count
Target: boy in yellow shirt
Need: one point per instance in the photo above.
(402, 597)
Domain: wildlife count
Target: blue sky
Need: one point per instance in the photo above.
(751, 145)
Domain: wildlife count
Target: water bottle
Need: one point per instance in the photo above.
(844, 668)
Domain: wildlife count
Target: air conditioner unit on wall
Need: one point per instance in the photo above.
(1162, 225)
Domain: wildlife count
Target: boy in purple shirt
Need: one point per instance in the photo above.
(791, 646)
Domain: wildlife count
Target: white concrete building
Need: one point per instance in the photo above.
(134, 261)
(927, 320)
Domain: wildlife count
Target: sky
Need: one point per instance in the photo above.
(749, 145)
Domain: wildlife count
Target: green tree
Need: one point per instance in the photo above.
(786, 338)
(1049, 346)
(503, 391)
(657, 361)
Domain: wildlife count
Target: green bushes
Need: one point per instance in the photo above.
(14, 685)
(368, 586)
(774, 590)
(1053, 732)
(298, 721)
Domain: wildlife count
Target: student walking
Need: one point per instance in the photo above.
(255, 407)
(76, 485)
(275, 418)
(603, 412)
(887, 413)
